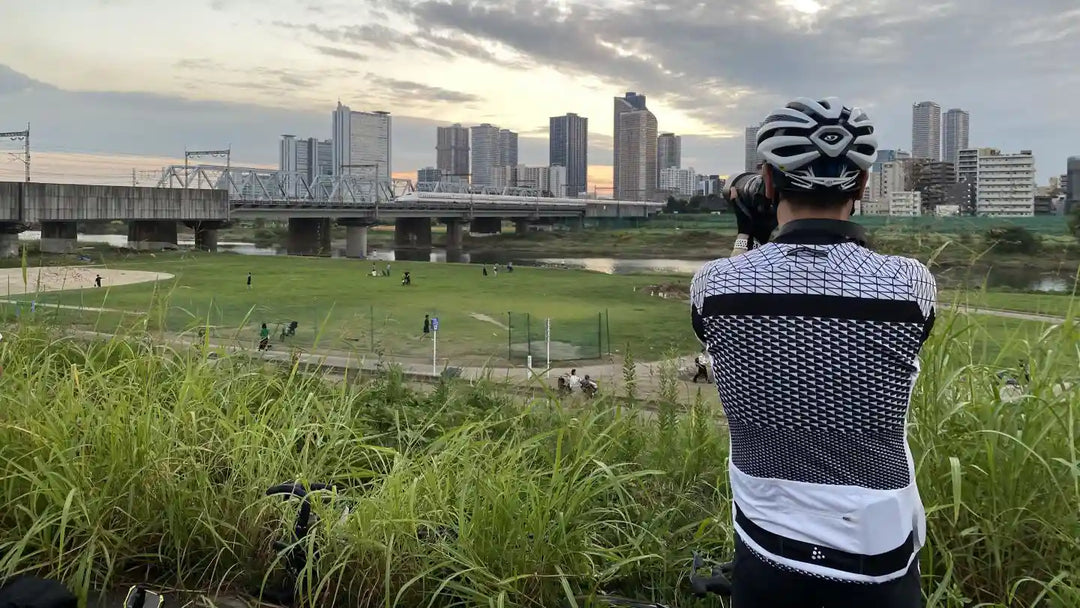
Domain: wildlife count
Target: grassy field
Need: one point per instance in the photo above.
(338, 306)
(121, 464)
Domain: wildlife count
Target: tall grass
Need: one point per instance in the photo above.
(121, 462)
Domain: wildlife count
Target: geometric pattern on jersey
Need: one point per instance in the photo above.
(815, 381)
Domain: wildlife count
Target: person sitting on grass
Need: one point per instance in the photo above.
(264, 337)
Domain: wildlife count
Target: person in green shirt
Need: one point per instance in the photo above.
(264, 337)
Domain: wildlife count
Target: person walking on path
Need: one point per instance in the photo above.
(97, 281)
(702, 362)
(264, 337)
(826, 509)
(249, 281)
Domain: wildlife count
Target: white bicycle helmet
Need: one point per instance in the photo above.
(814, 146)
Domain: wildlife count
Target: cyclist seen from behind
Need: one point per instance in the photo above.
(815, 340)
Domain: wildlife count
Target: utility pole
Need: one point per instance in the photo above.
(25, 137)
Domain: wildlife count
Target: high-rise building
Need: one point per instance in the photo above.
(709, 184)
(886, 155)
(568, 146)
(896, 176)
(303, 162)
(674, 180)
(452, 152)
(955, 134)
(492, 148)
(429, 175)
(668, 151)
(751, 159)
(508, 148)
(636, 160)
(1072, 183)
(627, 103)
(1004, 183)
(362, 143)
(926, 130)
(932, 180)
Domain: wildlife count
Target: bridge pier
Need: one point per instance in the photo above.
(356, 233)
(455, 234)
(412, 233)
(486, 225)
(309, 236)
(206, 234)
(521, 227)
(9, 239)
(146, 235)
(59, 237)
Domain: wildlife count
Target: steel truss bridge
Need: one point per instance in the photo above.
(262, 191)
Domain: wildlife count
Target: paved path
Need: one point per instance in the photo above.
(608, 375)
(1008, 314)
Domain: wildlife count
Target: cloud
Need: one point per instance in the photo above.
(340, 53)
(403, 88)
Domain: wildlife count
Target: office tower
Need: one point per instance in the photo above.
(636, 160)
(750, 153)
(492, 148)
(302, 162)
(362, 143)
(452, 152)
(926, 130)
(627, 103)
(428, 175)
(955, 134)
(668, 151)
(568, 146)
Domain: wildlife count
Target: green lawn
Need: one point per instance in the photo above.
(590, 313)
(1039, 303)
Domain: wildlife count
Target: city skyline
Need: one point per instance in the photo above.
(220, 77)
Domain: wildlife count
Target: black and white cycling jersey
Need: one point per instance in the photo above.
(815, 341)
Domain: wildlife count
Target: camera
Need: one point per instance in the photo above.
(755, 213)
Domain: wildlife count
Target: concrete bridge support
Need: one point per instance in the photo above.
(356, 233)
(521, 227)
(412, 233)
(309, 236)
(455, 234)
(147, 235)
(486, 225)
(9, 239)
(206, 234)
(59, 237)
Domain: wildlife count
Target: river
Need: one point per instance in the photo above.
(1024, 279)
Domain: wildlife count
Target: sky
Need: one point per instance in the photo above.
(116, 86)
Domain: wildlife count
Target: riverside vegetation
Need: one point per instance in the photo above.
(123, 462)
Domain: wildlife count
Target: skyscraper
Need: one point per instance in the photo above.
(668, 151)
(955, 134)
(452, 152)
(1072, 183)
(926, 130)
(627, 103)
(304, 161)
(361, 143)
(492, 148)
(568, 146)
(750, 153)
(428, 175)
(636, 161)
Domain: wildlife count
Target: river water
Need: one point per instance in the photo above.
(994, 277)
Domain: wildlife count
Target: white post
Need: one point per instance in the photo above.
(547, 346)
(528, 367)
(434, 350)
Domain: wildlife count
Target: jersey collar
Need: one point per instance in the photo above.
(821, 232)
